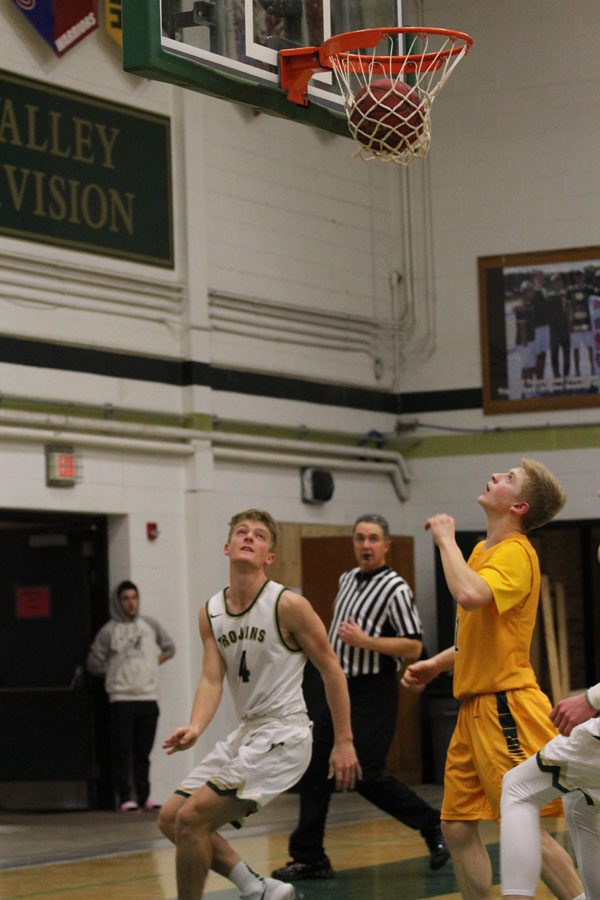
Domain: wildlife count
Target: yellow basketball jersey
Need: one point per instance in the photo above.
(493, 642)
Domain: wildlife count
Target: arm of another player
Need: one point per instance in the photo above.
(298, 618)
(419, 674)
(468, 588)
(208, 693)
(573, 711)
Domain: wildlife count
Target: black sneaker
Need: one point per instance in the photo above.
(438, 851)
(299, 871)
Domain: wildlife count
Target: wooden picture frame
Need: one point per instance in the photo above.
(540, 330)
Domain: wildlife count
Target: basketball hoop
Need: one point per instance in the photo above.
(387, 95)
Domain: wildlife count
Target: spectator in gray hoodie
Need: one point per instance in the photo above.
(127, 651)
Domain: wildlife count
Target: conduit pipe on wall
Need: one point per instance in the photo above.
(307, 447)
(108, 442)
(240, 454)
(160, 439)
(77, 423)
(66, 423)
(356, 459)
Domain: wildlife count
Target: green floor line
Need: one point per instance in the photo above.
(408, 879)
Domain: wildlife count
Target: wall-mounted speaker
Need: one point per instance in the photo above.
(317, 485)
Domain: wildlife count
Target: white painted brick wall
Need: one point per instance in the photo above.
(514, 132)
(282, 212)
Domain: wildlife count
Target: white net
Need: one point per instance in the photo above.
(388, 95)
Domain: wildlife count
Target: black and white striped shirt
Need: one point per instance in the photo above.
(382, 605)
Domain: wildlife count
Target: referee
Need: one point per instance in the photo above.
(375, 623)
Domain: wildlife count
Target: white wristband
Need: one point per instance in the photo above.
(592, 695)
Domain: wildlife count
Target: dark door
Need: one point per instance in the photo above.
(52, 589)
(568, 556)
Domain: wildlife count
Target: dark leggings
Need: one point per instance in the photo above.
(132, 730)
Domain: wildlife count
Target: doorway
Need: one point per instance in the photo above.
(53, 719)
(312, 559)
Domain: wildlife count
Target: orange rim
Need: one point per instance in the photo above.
(341, 45)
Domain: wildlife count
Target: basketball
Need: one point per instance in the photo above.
(387, 115)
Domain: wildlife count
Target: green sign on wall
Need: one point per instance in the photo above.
(83, 173)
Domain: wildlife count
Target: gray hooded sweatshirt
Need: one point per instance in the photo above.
(126, 652)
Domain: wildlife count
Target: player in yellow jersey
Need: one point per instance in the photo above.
(504, 716)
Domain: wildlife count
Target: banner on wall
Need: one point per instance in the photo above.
(113, 20)
(81, 172)
(62, 23)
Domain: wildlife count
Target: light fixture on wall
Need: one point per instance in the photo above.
(317, 485)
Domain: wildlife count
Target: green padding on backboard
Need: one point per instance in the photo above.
(143, 55)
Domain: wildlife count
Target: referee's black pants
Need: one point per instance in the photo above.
(374, 704)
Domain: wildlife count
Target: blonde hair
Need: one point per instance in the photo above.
(543, 492)
(255, 515)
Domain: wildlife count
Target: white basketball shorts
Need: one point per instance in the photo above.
(261, 759)
(574, 761)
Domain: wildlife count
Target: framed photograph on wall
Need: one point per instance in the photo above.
(540, 330)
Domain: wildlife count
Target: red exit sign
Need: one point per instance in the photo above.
(62, 466)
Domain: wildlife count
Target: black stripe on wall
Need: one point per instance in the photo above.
(21, 351)
(431, 401)
(86, 359)
(300, 389)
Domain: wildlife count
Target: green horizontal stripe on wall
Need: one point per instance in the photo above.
(105, 413)
(301, 433)
(516, 440)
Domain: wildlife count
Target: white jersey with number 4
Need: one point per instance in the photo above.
(263, 673)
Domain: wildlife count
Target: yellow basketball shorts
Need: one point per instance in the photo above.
(494, 733)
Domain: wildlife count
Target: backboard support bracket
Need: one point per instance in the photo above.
(297, 67)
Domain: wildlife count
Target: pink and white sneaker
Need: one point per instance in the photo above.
(129, 806)
(151, 805)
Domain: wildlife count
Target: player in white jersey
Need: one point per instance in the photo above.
(254, 650)
(258, 635)
(567, 766)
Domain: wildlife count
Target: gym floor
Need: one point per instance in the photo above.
(111, 856)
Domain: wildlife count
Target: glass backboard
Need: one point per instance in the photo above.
(230, 48)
